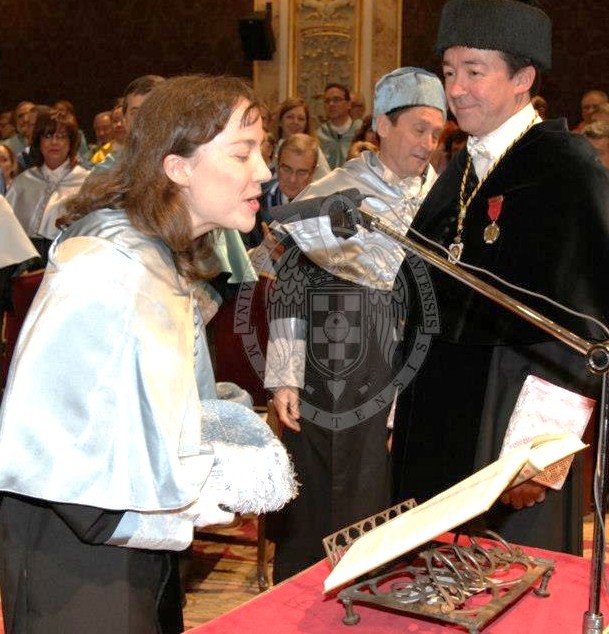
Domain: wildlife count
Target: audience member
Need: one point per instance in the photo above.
(366, 132)
(336, 134)
(102, 125)
(17, 142)
(601, 113)
(119, 133)
(267, 117)
(295, 168)
(293, 117)
(65, 108)
(357, 147)
(541, 106)
(268, 148)
(38, 195)
(7, 125)
(134, 96)
(24, 158)
(597, 133)
(591, 100)
(8, 165)
(15, 250)
(358, 106)
(455, 142)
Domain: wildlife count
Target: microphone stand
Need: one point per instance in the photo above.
(597, 359)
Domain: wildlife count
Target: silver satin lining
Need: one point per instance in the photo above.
(122, 411)
(368, 258)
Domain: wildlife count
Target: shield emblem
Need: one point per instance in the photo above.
(336, 319)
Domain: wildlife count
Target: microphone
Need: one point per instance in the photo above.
(334, 205)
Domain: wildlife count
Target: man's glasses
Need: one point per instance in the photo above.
(288, 172)
(334, 99)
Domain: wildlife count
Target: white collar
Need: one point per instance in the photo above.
(343, 128)
(491, 146)
(55, 175)
(410, 186)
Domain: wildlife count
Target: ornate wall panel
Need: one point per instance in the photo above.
(352, 42)
(326, 47)
(386, 38)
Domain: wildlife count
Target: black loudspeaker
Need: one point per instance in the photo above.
(256, 33)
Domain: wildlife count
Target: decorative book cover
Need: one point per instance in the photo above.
(543, 408)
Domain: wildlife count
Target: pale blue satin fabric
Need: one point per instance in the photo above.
(102, 406)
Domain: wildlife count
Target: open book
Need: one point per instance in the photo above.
(462, 502)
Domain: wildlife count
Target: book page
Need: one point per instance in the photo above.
(462, 502)
(452, 507)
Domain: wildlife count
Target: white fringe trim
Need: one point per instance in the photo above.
(255, 479)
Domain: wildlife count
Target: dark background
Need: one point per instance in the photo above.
(87, 51)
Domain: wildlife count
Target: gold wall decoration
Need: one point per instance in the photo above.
(326, 48)
(352, 42)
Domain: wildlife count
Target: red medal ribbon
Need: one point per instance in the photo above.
(495, 207)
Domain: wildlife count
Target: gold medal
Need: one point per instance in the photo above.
(491, 233)
(455, 250)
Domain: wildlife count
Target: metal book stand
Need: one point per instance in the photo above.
(467, 582)
(345, 214)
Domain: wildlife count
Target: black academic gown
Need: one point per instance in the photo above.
(340, 455)
(554, 240)
(58, 576)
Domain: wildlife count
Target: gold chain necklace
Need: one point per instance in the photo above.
(456, 248)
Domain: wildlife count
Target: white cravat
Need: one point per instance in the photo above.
(55, 175)
(487, 149)
(410, 186)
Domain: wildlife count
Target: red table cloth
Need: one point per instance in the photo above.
(298, 605)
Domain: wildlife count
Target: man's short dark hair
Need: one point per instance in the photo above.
(342, 87)
(518, 62)
(141, 86)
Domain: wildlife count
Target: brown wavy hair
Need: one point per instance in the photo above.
(289, 104)
(50, 121)
(179, 115)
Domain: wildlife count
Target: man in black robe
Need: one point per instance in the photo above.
(537, 215)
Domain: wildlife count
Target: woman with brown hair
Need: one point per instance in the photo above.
(38, 195)
(293, 117)
(108, 456)
(8, 165)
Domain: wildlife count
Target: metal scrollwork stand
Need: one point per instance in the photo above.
(597, 360)
(467, 582)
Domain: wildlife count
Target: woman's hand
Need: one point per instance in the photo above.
(525, 494)
(286, 402)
